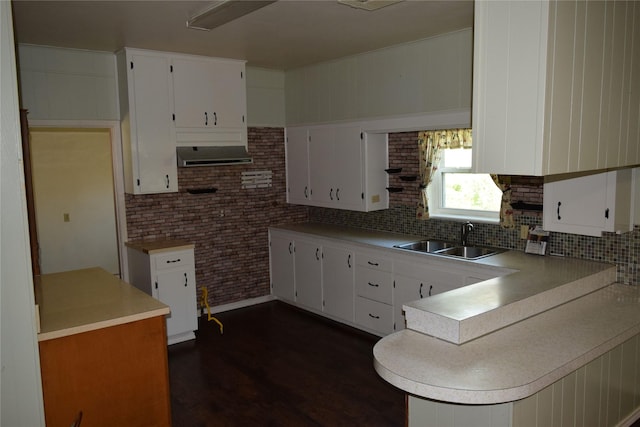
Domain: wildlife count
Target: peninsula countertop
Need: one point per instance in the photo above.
(84, 300)
(562, 313)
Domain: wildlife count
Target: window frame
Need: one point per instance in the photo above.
(435, 195)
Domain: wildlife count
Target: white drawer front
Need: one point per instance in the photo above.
(374, 315)
(374, 262)
(177, 259)
(375, 285)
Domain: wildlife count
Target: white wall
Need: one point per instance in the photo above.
(425, 76)
(265, 97)
(20, 383)
(68, 84)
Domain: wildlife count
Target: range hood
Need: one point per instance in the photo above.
(212, 156)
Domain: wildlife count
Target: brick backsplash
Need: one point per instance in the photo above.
(228, 227)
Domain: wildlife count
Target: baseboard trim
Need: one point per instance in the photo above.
(630, 419)
(238, 304)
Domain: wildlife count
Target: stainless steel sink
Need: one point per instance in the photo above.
(439, 247)
(429, 246)
(469, 252)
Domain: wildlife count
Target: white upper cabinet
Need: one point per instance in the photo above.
(297, 154)
(590, 204)
(337, 166)
(209, 100)
(169, 99)
(148, 146)
(556, 86)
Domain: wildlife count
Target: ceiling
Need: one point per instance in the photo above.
(283, 35)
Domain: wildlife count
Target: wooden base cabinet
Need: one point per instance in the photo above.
(117, 376)
(169, 276)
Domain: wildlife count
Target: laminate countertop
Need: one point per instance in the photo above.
(84, 300)
(505, 338)
(158, 246)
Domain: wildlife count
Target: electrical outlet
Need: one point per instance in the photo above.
(65, 217)
(524, 231)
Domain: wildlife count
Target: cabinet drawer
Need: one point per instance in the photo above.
(374, 315)
(374, 284)
(374, 262)
(177, 259)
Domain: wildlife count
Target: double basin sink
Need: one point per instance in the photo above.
(439, 247)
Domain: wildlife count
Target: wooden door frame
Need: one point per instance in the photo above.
(118, 175)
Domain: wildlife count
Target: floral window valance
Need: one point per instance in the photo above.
(430, 146)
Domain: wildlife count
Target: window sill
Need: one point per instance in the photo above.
(464, 218)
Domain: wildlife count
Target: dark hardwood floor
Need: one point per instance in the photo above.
(276, 365)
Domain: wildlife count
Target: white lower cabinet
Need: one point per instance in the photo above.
(361, 287)
(308, 273)
(374, 316)
(168, 274)
(414, 281)
(337, 282)
(374, 292)
(281, 252)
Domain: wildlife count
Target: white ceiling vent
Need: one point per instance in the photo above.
(368, 4)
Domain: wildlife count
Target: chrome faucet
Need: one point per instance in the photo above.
(467, 227)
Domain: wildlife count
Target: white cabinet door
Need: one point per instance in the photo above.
(281, 251)
(348, 170)
(414, 281)
(308, 273)
(168, 275)
(337, 166)
(408, 289)
(322, 166)
(297, 153)
(149, 151)
(230, 99)
(338, 282)
(208, 93)
(589, 204)
(176, 288)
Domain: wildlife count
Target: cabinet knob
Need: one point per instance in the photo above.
(206, 119)
(374, 285)
(373, 316)
(338, 194)
(186, 280)
(317, 256)
(559, 217)
(349, 260)
(420, 290)
(331, 194)
(215, 119)
(306, 192)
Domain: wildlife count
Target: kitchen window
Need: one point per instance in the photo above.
(455, 192)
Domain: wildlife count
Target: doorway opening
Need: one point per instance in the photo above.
(78, 196)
